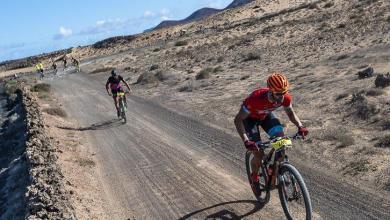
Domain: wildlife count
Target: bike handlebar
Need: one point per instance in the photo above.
(266, 144)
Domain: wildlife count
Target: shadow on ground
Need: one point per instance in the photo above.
(224, 212)
(96, 126)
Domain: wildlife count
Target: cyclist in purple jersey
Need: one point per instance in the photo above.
(114, 83)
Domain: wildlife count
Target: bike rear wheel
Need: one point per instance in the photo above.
(264, 194)
(293, 194)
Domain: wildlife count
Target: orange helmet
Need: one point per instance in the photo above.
(277, 82)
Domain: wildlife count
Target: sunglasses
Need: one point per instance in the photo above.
(279, 94)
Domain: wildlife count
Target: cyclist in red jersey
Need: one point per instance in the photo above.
(256, 110)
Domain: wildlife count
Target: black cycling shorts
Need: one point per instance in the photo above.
(115, 91)
(271, 125)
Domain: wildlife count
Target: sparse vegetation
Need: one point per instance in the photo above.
(103, 69)
(85, 162)
(181, 43)
(374, 92)
(328, 4)
(341, 96)
(10, 86)
(244, 77)
(154, 67)
(252, 56)
(383, 142)
(204, 74)
(188, 87)
(41, 87)
(382, 80)
(364, 110)
(360, 166)
(56, 111)
(341, 136)
(146, 78)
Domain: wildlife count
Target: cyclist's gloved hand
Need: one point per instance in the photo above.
(250, 145)
(303, 131)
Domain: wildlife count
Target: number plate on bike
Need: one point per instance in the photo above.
(285, 142)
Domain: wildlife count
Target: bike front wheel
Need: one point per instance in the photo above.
(263, 194)
(293, 193)
(123, 110)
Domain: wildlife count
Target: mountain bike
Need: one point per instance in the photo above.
(122, 106)
(277, 172)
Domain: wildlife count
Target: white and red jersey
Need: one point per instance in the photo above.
(258, 105)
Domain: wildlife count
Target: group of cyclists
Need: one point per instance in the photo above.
(76, 63)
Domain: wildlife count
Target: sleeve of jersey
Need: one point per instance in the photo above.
(246, 105)
(287, 100)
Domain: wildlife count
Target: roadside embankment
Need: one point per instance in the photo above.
(31, 182)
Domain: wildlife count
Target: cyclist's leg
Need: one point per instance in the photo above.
(254, 135)
(272, 126)
(115, 97)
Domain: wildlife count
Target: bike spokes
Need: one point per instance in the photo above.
(293, 195)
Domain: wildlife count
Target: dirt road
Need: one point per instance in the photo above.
(162, 165)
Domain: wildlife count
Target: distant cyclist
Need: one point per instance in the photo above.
(76, 63)
(64, 60)
(114, 83)
(256, 110)
(39, 68)
(54, 65)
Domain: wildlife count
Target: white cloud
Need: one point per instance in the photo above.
(216, 3)
(105, 26)
(64, 32)
(165, 14)
(164, 11)
(149, 14)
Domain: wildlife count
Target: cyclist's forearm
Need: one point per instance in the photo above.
(294, 119)
(240, 129)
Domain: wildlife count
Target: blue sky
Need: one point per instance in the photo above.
(32, 27)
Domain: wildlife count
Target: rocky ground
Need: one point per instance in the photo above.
(32, 184)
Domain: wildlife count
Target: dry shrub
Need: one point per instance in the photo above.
(181, 43)
(328, 4)
(154, 67)
(360, 166)
(56, 111)
(204, 74)
(341, 96)
(103, 69)
(146, 78)
(220, 59)
(374, 92)
(188, 87)
(252, 56)
(244, 77)
(382, 80)
(364, 110)
(10, 87)
(341, 136)
(383, 142)
(85, 162)
(41, 87)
